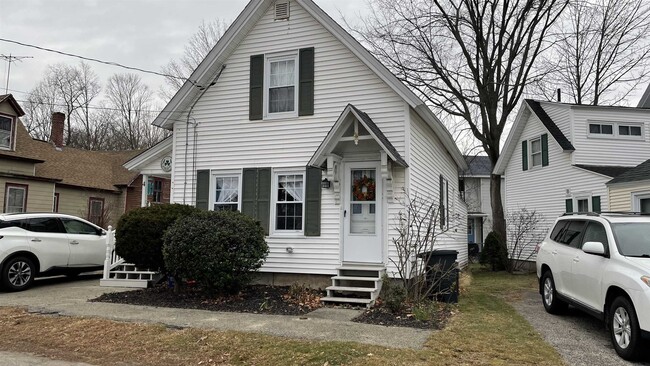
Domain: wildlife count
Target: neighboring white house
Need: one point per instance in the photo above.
(558, 157)
(630, 191)
(290, 120)
(475, 188)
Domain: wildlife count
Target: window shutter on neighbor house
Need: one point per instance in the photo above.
(545, 149)
(312, 201)
(524, 155)
(569, 205)
(202, 189)
(595, 203)
(256, 93)
(256, 195)
(306, 82)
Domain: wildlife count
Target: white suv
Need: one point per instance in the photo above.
(600, 263)
(39, 244)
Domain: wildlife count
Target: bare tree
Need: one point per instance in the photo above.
(602, 54)
(526, 229)
(195, 51)
(132, 101)
(40, 104)
(469, 59)
(89, 88)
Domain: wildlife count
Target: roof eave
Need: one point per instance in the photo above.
(143, 158)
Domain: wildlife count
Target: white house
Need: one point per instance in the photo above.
(290, 120)
(630, 191)
(558, 157)
(475, 188)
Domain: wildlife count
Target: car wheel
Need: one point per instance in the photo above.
(624, 328)
(551, 301)
(18, 274)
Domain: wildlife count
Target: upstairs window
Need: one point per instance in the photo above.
(282, 92)
(536, 152)
(629, 131)
(624, 130)
(600, 129)
(6, 132)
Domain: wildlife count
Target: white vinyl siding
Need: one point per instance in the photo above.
(428, 161)
(227, 139)
(546, 190)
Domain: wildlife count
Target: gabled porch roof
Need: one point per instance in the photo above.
(340, 127)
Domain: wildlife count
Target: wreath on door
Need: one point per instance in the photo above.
(363, 189)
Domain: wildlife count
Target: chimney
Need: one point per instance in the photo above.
(559, 95)
(58, 123)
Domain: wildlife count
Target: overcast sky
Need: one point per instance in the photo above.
(139, 33)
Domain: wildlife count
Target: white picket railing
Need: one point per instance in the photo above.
(112, 260)
(118, 273)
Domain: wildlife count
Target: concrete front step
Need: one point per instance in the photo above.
(114, 282)
(351, 289)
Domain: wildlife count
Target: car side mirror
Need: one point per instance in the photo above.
(594, 247)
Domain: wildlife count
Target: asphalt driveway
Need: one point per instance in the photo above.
(579, 338)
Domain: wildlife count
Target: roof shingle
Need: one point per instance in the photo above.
(639, 172)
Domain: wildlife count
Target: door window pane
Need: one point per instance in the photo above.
(44, 225)
(595, 232)
(77, 227)
(363, 197)
(572, 232)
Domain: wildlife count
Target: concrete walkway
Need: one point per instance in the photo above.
(70, 298)
(27, 359)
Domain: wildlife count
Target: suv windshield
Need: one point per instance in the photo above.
(633, 239)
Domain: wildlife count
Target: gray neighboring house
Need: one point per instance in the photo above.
(476, 183)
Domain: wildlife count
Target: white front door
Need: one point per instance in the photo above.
(362, 213)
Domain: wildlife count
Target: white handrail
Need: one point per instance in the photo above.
(111, 257)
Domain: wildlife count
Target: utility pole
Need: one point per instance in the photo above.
(11, 59)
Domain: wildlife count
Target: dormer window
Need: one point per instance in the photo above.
(6, 132)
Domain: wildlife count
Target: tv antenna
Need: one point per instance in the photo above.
(11, 58)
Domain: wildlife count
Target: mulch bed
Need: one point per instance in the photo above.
(258, 299)
(379, 315)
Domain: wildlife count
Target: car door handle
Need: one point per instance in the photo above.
(554, 252)
(576, 259)
(74, 242)
(36, 240)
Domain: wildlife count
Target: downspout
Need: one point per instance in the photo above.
(187, 133)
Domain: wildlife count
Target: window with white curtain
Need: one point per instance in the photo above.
(281, 80)
(226, 193)
(289, 199)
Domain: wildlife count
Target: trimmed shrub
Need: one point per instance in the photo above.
(138, 237)
(220, 250)
(495, 253)
(393, 294)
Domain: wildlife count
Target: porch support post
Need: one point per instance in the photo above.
(387, 175)
(143, 200)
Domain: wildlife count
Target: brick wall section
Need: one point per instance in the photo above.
(134, 193)
(58, 125)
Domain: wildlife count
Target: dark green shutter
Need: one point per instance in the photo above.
(312, 201)
(256, 195)
(545, 150)
(569, 205)
(524, 155)
(443, 219)
(264, 197)
(249, 193)
(595, 204)
(256, 96)
(202, 189)
(306, 83)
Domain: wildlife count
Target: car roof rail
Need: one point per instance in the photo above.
(581, 213)
(625, 213)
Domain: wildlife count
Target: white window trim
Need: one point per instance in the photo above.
(274, 201)
(224, 174)
(615, 134)
(293, 55)
(530, 153)
(636, 200)
(12, 133)
(578, 197)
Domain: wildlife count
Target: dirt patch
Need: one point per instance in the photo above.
(256, 299)
(435, 318)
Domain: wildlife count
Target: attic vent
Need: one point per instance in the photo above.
(281, 10)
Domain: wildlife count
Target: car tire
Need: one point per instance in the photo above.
(18, 274)
(624, 329)
(551, 301)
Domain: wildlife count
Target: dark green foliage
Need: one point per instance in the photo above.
(220, 250)
(393, 294)
(138, 237)
(495, 253)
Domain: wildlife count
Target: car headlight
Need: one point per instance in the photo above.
(646, 280)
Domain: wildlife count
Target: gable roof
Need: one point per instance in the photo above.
(12, 102)
(70, 166)
(478, 165)
(209, 69)
(555, 131)
(639, 172)
(331, 139)
(607, 170)
(527, 108)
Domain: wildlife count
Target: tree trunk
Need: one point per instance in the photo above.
(498, 218)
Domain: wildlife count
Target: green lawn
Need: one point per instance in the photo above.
(485, 330)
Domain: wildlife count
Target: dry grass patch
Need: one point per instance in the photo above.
(484, 331)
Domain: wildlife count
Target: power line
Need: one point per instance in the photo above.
(110, 63)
